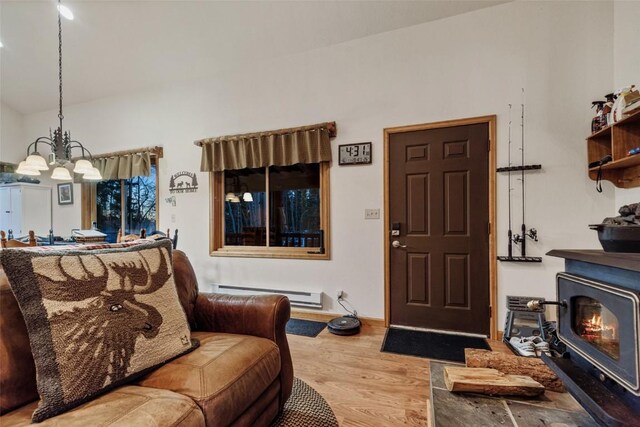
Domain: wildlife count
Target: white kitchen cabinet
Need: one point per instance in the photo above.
(25, 207)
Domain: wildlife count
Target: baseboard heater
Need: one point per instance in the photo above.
(297, 298)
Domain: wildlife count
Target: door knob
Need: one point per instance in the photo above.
(397, 244)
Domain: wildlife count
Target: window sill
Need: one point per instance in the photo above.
(277, 253)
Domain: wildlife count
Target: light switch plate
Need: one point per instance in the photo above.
(372, 214)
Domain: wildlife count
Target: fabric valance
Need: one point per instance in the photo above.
(125, 164)
(124, 167)
(283, 147)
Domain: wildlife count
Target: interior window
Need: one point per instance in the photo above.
(277, 211)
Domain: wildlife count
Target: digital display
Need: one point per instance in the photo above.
(355, 154)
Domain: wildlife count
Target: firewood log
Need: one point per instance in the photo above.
(512, 364)
(489, 381)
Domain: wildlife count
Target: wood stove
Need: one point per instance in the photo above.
(599, 322)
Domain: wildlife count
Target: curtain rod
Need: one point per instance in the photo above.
(330, 126)
(157, 150)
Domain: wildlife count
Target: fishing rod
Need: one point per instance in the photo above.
(518, 239)
(524, 227)
(510, 233)
(532, 233)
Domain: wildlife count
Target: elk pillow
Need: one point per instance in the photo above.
(96, 318)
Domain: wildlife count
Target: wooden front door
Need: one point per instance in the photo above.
(439, 209)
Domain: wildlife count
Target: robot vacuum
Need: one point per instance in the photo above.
(345, 325)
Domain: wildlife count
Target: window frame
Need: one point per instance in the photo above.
(88, 200)
(217, 225)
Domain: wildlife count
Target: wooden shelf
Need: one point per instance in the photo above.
(606, 131)
(620, 164)
(616, 140)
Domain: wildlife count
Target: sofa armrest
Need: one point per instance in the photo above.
(264, 316)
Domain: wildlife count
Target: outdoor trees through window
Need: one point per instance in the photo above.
(128, 204)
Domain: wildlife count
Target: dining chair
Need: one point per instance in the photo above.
(13, 243)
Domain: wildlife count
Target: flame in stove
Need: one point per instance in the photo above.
(596, 325)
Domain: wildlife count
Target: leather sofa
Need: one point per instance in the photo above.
(241, 375)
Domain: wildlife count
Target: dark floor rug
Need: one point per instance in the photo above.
(306, 328)
(431, 345)
(305, 408)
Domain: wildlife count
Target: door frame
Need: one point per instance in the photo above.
(493, 263)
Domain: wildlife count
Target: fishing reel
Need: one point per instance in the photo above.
(532, 234)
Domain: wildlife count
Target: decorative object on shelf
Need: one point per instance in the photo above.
(354, 154)
(608, 108)
(532, 233)
(624, 97)
(65, 193)
(600, 120)
(187, 185)
(59, 142)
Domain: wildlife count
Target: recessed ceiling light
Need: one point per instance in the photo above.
(65, 11)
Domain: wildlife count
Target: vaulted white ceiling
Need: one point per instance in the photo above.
(115, 46)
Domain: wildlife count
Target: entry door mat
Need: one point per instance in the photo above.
(306, 328)
(431, 345)
(469, 409)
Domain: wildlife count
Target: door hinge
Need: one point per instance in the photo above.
(488, 145)
(489, 228)
(490, 312)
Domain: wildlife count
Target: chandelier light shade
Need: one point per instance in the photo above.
(37, 162)
(58, 141)
(61, 173)
(83, 166)
(247, 197)
(24, 169)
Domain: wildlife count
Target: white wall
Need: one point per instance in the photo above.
(12, 142)
(469, 65)
(626, 67)
(65, 217)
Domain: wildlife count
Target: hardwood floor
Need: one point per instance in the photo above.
(364, 386)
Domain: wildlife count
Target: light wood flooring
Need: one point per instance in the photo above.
(364, 386)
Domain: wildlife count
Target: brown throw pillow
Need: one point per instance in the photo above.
(96, 319)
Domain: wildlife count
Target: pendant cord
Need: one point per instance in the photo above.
(60, 116)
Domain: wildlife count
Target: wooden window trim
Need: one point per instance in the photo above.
(216, 231)
(89, 212)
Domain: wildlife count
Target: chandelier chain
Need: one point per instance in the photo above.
(60, 116)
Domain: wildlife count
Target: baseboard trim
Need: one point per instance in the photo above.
(325, 317)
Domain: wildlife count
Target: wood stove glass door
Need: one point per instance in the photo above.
(600, 322)
(595, 323)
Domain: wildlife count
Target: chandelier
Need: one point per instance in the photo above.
(59, 142)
